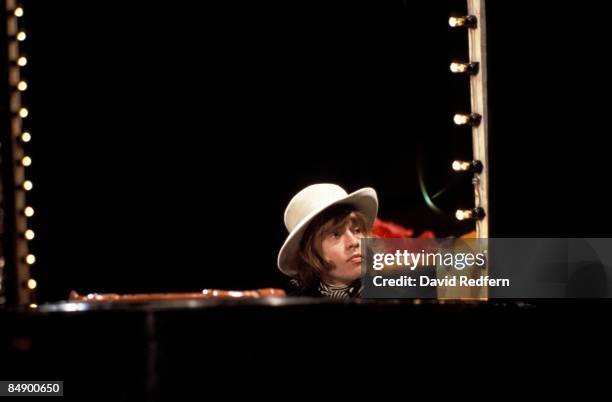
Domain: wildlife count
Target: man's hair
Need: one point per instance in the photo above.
(311, 261)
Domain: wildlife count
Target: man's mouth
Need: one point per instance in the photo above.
(354, 258)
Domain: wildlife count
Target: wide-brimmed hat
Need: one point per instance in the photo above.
(309, 203)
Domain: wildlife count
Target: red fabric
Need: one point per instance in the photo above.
(388, 229)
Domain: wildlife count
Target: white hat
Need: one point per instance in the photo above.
(310, 202)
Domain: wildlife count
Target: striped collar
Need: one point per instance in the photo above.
(340, 292)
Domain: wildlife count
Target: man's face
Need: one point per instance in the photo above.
(342, 249)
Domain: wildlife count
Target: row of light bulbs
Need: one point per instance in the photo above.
(461, 119)
(25, 137)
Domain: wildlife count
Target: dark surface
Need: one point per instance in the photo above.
(162, 351)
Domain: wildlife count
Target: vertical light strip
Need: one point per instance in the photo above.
(478, 88)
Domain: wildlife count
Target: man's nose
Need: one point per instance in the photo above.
(351, 239)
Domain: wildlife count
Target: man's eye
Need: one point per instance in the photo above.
(336, 234)
(357, 230)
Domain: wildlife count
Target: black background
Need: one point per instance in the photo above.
(167, 140)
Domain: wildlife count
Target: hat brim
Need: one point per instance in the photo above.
(363, 200)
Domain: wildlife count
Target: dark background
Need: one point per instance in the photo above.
(167, 140)
(549, 91)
